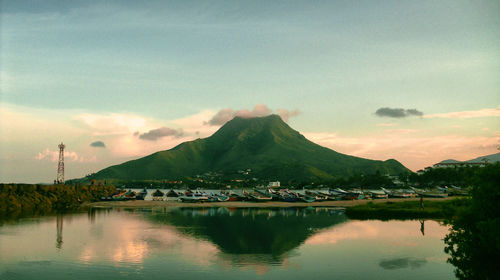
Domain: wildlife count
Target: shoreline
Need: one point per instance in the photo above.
(248, 204)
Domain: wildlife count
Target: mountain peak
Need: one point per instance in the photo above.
(252, 126)
(265, 145)
(269, 118)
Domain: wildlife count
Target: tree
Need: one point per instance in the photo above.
(474, 240)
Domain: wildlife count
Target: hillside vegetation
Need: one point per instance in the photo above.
(266, 146)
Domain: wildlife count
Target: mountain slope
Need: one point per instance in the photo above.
(266, 145)
(490, 158)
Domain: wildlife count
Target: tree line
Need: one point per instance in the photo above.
(33, 198)
(474, 239)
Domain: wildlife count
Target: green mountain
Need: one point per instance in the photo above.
(266, 145)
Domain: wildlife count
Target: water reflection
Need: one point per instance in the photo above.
(59, 226)
(221, 243)
(399, 263)
(91, 213)
(251, 235)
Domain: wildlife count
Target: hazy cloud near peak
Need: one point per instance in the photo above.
(260, 110)
(158, 133)
(286, 114)
(397, 112)
(98, 144)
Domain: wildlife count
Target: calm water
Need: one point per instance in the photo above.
(221, 243)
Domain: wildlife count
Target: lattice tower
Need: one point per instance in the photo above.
(60, 165)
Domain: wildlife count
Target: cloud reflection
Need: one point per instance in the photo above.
(380, 230)
(402, 263)
(131, 241)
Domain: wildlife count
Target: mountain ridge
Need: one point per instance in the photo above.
(490, 158)
(265, 145)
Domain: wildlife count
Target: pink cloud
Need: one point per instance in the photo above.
(413, 150)
(386, 124)
(260, 110)
(487, 112)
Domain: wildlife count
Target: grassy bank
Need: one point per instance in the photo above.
(438, 209)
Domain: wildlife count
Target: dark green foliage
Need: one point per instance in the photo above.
(436, 209)
(474, 240)
(458, 176)
(25, 198)
(267, 146)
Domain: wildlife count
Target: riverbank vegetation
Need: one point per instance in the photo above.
(433, 209)
(29, 198)
(474, 239)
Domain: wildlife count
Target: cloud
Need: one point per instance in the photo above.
(486, 112)
(158, 133)
(386, 124)
(112, 124)
(98, 144)
(286, 114)
(53, 155)
(260, 110)
(401, 131)
(397, 112)
(412, 148)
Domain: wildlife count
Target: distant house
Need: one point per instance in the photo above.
(274, 184)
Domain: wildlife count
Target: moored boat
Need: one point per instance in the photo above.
(307, 198)
(142, 194)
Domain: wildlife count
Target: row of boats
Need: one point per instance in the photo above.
(286, 195)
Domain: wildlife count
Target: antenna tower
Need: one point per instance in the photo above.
(60, 165)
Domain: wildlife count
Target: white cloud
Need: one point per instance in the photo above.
(53, 155)
(487, 112)
(259, 110)
(111, 124)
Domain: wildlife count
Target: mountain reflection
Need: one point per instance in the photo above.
(251, 235)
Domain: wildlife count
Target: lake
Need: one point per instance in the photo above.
(221, 243)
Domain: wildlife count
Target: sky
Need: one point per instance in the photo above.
(417, 81)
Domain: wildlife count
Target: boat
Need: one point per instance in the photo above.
(457, 191)
(397, 194)
(141, 195)
(378, 194)
(318, 196)
(235, 197)
(429, 194)
(286, 197)
(222, 198)
(119, 195)
(351, 195)
(191, 198)
(307, 198)
(258, 196)
(129, 195)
